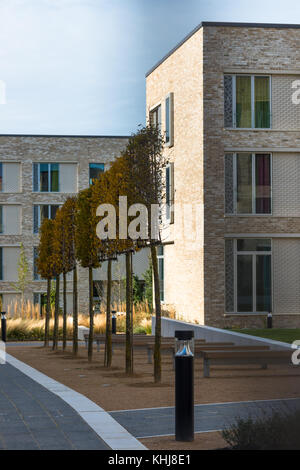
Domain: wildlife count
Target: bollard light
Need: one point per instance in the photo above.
(114, 322)
(184, 385)
(270, 320)
(3, 326)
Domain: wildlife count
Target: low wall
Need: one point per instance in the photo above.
(211, 334)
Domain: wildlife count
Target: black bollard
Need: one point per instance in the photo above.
(184, 386)
(3, 326)
(269, 320)
(114, 322)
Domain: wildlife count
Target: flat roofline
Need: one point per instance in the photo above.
(221, 24)
(69, 136)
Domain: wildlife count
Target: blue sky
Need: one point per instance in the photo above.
(78, 66)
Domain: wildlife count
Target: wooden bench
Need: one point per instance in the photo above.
(169, 348)
(139, 340)
(240, 357)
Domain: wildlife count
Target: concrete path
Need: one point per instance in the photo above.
(37, 412)
(152, 422)
(33, 418)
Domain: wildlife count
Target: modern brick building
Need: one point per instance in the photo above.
(226, 100)
(37, 174)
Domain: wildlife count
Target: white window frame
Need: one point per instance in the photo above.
(233, 76)
(236, 253)
(253, 213)
(49, 177)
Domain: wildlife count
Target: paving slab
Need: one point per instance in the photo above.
(32, 417)
(151, 422)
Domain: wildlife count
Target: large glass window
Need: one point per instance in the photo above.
(248, 183)
(46, 177)
(248, 275)
(41, 212)
(247, 101)
(96, 169)
(1, 177)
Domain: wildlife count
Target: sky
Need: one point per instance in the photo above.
(78, 66)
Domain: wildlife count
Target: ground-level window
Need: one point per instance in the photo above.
(160, 258)
(248, 275)
(40, 298)
(248, 183)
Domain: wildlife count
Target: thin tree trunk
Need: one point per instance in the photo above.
(91, 313)
(56, 315)
(47, 317)
(108, 343)
(75, 312)
(64, 311)
(157, 344)
(128, 354)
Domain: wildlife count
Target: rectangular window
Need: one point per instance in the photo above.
(36, 275)
(46, 177)
(247, 102)
(155, 117)
(1, 177)
(248, 275)
(160, 259)
(41, 300)
(41, 212)
(169, 120)
(96, 169)
(248, 183)
(1, 219)
(170, 192)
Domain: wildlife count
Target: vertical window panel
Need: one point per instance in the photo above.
(228, 102)
(244, 183)
(243, 102)
(262, 184)
(262, 102)
(54, 177)
(229, 276)
(1, 219)
(1, 177)
(244, 283)
(167, 119)
(229, 184)
(44, 177)
(263, 283)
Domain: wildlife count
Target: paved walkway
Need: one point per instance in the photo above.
(212, 417)
(31, 417)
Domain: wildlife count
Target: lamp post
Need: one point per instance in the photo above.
(184, 386)
(114, 322)
(270, 320)
(3, 326)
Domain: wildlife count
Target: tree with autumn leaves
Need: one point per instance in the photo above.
(137, 175)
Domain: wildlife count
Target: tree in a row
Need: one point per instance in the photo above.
(73, 237)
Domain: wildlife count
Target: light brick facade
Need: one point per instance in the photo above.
(74, 154)
(194, 72)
